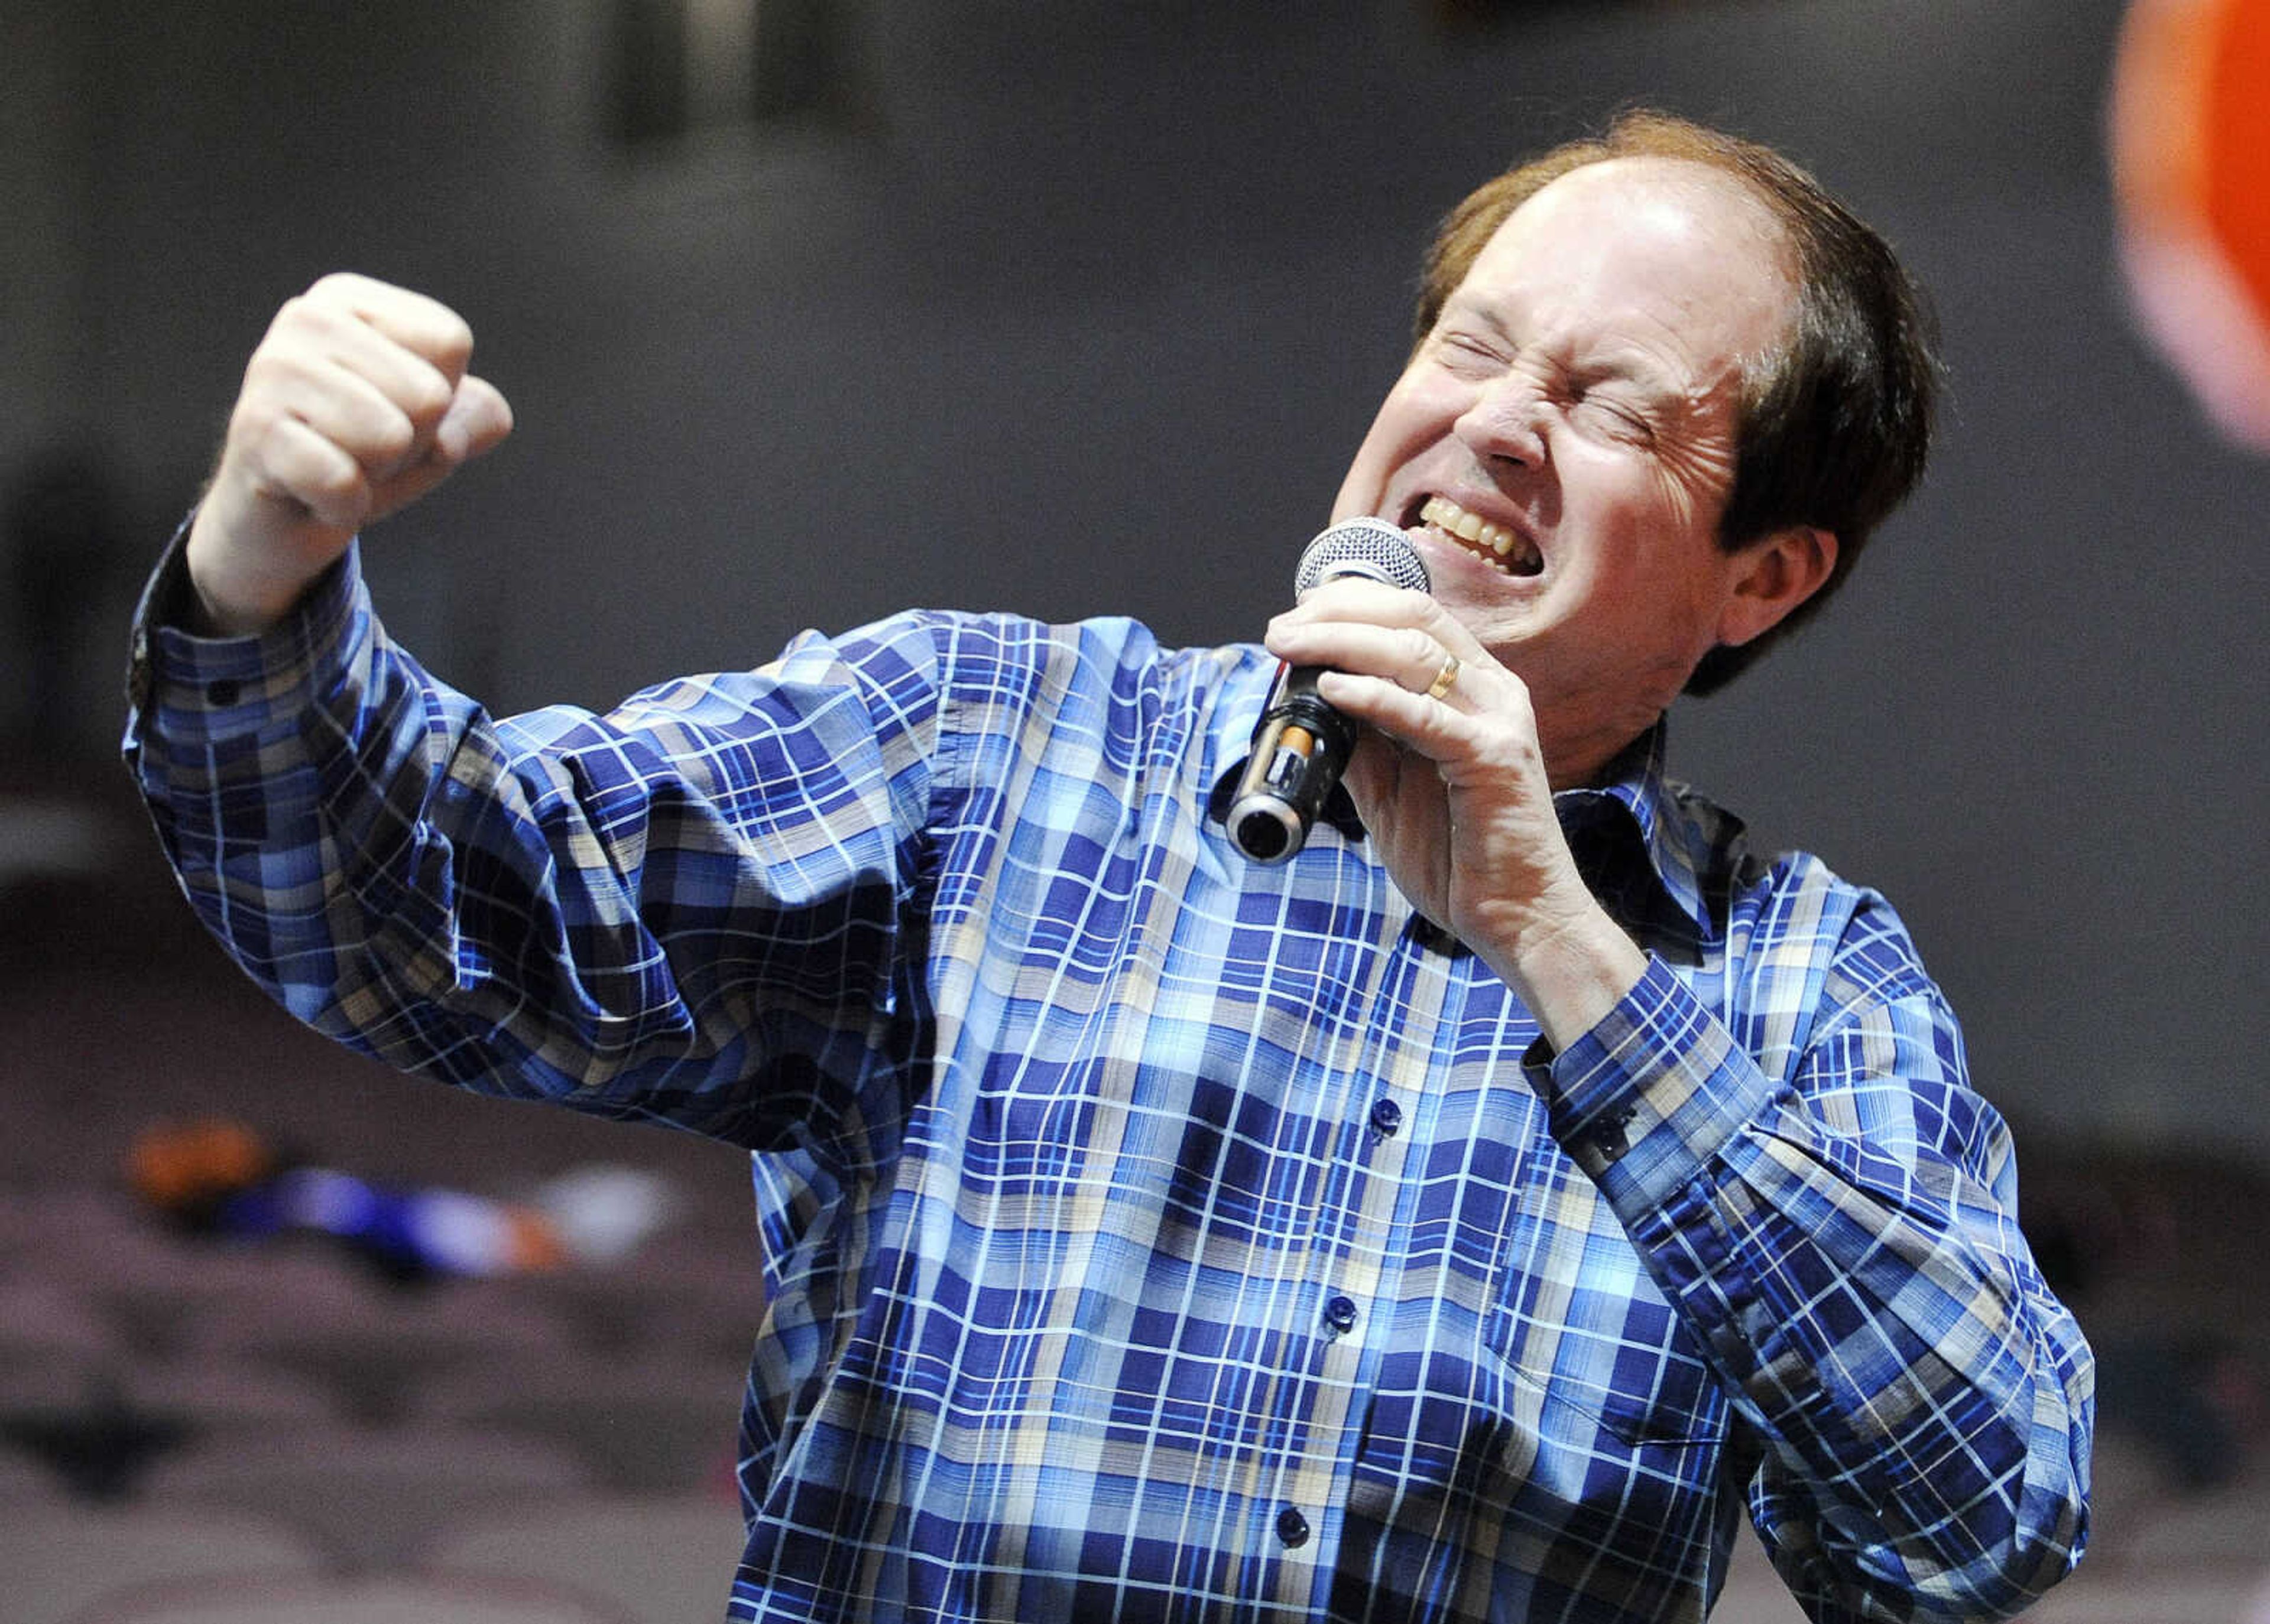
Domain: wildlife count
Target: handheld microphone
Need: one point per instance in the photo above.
(1300, 746)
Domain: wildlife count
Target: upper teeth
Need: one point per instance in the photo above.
(1441, 510)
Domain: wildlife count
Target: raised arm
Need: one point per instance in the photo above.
(632, 912)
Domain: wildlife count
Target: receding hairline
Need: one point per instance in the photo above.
(1757, 218)
(1693, 154)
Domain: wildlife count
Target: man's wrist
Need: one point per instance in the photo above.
(1570, 966)
(225, 599)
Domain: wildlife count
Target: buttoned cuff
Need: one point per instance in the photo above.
(218, 687)
(1649, 1096)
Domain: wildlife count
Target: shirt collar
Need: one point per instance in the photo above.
(1641, 850)
(1638, 851)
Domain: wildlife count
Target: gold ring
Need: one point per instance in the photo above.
(1445, 679)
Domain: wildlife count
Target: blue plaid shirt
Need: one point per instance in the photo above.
(1151, 1235)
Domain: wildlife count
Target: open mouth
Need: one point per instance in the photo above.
(1494, 542)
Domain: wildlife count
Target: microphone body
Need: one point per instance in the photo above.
(1302, 744)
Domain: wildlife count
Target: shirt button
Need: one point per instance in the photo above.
(1292, 1527)
(1340, 1314)
(1607, 1134)
(1386, 1118)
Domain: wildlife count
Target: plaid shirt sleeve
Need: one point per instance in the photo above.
(628, 912)
(1844, 1234)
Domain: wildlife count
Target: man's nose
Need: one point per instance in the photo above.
(1505, 421)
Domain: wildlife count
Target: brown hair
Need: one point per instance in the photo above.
(1835, 430)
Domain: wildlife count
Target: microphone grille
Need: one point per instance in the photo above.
(1372, 548)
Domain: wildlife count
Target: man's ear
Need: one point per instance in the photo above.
(1772, 576)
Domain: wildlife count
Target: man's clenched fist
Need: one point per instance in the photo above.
(356, 402)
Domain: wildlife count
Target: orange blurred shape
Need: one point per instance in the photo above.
(2190, 136)
(176, 1165)
(532, 1243)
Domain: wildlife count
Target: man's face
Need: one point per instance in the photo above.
(1561, 446)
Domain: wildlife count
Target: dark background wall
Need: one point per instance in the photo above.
(1083, 307)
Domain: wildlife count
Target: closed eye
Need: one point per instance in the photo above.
(1469, 355)
(1620, 418)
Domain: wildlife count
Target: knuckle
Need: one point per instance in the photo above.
(334, 481)
(426, 398)
(260, 434)
(293, 315)
(302, 327)
(255, 412)
(272, 368)
(392, 437)
(453, 341)
(335, 487)
(326, 300)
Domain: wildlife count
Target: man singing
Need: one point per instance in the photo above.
(1469, 1217)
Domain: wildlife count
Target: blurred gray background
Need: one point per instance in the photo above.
(1075, 308)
